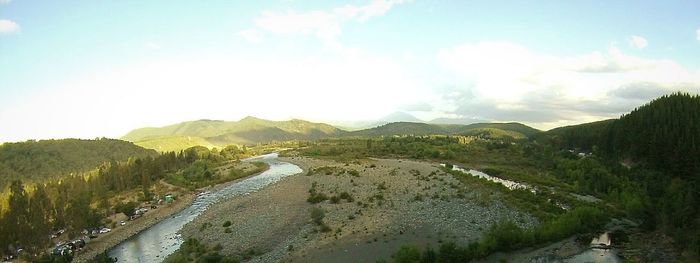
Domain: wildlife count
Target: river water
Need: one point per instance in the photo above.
(512, 185)
(160, 240)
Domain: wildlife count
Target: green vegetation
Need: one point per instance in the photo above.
(317, 215)
(507, 236)
(660, 142)
(194, 251)
(78, 202)
(200, 174)
(33, 161)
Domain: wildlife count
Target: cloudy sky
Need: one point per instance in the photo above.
(100, 68)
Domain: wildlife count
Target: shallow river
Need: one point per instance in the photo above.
(162, 239)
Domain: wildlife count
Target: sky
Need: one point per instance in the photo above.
(86, 69)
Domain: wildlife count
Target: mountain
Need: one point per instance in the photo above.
(398, 116)
(211, 133)
(458, 121)
(32, 160)
(514, 130)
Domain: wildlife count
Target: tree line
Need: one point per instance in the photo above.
(78, 202)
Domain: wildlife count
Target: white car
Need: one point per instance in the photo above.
(121, 223)
(105, 230)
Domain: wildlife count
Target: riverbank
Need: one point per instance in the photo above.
(386, 203)
(107, 241)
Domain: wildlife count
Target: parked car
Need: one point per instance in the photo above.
(105, 230)
(121, 223)
(79, 243)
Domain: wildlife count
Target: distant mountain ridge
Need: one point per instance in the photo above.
(249, 130)
(512, 129)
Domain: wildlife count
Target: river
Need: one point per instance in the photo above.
(157, 242)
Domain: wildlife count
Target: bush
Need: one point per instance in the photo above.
(407, 254)
(335, 199)
(347, 196)
(317, 215)
(316, 198)
(227, 223)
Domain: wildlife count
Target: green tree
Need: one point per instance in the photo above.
(17, 216)
(39, 211)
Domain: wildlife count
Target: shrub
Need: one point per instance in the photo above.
(407, 254)
(335, 199)
(317, 215)
(227, 223)
(347, 196)
(316, 198)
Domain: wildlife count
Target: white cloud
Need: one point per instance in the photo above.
(8, 26)
(638, 42)
(222, 87)
(323, 24)
(506, 82)
(251, 35)
(2, 2)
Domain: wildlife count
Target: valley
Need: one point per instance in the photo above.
(399, 192)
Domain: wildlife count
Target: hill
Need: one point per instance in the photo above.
(33, 160)
(514, 130)
(398, 116)
(210, 133)
(664, 134)
(659, 145)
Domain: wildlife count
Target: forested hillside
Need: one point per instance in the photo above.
(659, 142)
(34, 160)
(663, 134)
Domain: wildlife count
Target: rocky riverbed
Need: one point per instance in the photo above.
(393, 202)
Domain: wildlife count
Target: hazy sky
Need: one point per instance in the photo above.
(100, 68)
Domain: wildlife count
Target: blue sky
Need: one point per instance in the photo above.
(94, 68)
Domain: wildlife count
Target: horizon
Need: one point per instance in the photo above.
(86, 70)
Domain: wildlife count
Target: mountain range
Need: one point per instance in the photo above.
(251, 130)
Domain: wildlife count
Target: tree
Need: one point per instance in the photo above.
(39, 208)
(17, 216)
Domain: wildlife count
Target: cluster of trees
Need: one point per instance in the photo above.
(455, 148)
(78, 202)
(507, 236)
(194, 251)
(38, 160)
